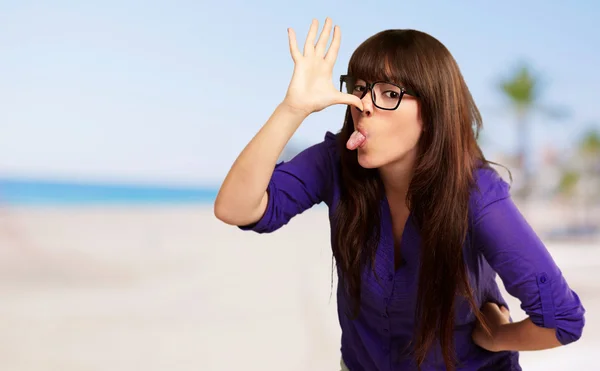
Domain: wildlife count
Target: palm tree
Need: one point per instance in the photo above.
(523, 88)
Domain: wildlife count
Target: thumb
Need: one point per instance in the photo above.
(351, 100)
(504, 310)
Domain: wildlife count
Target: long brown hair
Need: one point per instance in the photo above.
(438, 195)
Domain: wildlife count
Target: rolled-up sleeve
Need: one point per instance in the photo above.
(297, 185)
(520, 258)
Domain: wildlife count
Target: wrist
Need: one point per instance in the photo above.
(294, 110)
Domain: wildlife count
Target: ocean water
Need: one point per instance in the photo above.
(42, 192)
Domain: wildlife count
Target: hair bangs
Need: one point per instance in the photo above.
(383, 58)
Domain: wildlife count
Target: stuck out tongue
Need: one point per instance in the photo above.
(355, 140)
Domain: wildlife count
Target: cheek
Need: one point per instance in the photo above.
(355, 115)
(412, 133)
(411, 126)
(403, 134)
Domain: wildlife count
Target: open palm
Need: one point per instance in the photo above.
(311, 88)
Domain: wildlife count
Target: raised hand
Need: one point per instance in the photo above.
(311, 89)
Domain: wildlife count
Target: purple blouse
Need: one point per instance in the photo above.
(501, 241)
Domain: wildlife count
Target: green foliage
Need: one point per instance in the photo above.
(590, 143)
(521, 87)
(568, 182)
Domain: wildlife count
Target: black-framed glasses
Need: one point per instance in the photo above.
(385, 95)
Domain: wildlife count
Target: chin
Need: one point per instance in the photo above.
(367, 161)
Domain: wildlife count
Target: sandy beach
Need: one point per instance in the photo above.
(171, 288)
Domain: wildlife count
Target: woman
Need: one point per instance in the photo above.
(420, 222)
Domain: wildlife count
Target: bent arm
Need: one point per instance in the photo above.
(296, 185)
(525, 336)
(242, 198)
(529, 273)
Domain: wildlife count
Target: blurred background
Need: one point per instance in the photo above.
(119, 120)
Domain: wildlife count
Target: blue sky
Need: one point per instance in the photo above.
(171, 91)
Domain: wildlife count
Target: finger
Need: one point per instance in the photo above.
(491, 304)
(351, 100)
(324, 38)
(293, 45)
(309, 44)
(504, 310)
(332, 53)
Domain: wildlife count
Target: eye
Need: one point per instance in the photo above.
(391, 94)
(359, 88)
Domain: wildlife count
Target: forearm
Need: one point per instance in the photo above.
(242, 197)
(524, 336)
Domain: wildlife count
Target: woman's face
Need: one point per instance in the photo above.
(391, 135)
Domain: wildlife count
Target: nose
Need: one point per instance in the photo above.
(367, 102)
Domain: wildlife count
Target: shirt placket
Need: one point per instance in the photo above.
(389, 279)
